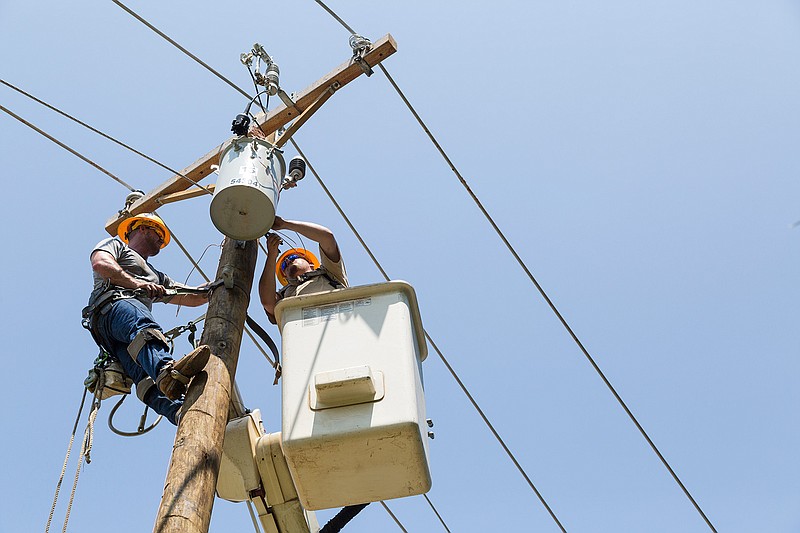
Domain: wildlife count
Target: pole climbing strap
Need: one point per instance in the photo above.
(142, 338)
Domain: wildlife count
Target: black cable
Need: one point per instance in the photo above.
(341, 519)
(258, 93)
(535, 282)
(261, 332)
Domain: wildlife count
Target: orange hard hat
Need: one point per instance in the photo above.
(150, 219)
(290, 255)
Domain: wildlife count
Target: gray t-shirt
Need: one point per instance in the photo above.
(135, 265)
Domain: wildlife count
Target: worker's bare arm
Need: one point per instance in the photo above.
(315, 232)
(107, 267)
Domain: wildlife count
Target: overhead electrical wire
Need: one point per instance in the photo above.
(394, 517)
(68, 149)
(532, 279)
(102, 134)
(436, 513)
(179, 47)
(453, 168)
(436, 349)
(182, 49)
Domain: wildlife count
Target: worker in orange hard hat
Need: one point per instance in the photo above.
(299, 270)
(147, 220)
(119, 313)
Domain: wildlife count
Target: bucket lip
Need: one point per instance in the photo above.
(354, 293)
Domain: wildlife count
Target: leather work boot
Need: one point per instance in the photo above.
(174, 377)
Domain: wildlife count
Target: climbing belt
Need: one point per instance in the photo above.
(107, 378)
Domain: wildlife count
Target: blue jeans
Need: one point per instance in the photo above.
(117, 327)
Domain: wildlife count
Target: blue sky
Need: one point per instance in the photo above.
(641, 158)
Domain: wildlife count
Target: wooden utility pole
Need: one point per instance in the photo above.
(192, 477)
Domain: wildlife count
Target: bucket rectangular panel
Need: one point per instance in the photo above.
(354, 427)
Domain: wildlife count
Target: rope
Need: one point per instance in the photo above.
(110, 138)
(66, 460)
(86, 449)
(67, 148)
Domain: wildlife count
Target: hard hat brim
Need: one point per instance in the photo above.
(125, 225)
(305, 254)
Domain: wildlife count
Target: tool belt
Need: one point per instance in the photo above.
(111, 377)
(107, 372)
(99, 303)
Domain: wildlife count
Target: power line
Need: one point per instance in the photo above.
(437, 513)
(179, 47)
(396, 520)
(109, 137)
(533, 280)
(337, 17)
(67, 148)
(435, 347)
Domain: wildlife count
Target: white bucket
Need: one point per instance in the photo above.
(354, 428)
(248, 187)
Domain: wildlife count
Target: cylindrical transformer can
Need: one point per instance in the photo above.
(247, 190)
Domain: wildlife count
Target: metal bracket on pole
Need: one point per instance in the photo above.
(305, 115)
(287, 100)
(361, 45)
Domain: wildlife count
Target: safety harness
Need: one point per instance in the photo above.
(107, 372)
(308, 276)
(107, 377)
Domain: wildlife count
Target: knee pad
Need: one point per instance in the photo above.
(141, 339)
(143, 387)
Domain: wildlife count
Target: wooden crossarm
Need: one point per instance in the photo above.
(344, 74)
